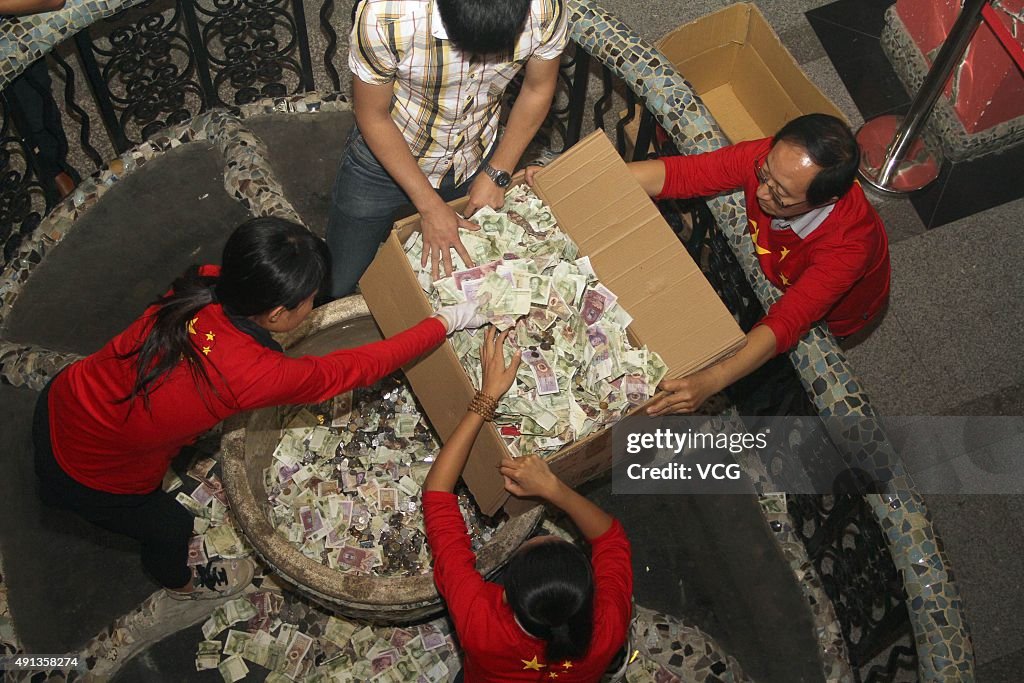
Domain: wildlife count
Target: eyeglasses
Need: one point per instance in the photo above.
(764, 179)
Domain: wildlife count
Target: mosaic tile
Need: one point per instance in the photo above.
(249, 178)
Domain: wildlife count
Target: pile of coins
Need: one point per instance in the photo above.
(345, 483)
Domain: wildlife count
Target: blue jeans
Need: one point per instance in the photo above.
(364, 203)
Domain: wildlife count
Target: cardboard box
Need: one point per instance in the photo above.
(736, 64)
(634, 253)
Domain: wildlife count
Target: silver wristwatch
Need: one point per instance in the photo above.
(500, 178)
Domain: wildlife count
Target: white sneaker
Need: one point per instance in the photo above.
(217, 579)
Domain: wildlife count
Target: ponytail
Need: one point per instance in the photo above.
(550, 588)
(168, 341)
(267, 262)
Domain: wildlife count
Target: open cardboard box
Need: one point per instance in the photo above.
(634, 253)
(745, 76)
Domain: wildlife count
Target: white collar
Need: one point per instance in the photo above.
(437, 28)
(804, 224)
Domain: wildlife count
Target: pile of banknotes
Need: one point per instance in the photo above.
(580, 372)
(344, 484)
(295, 640)
(215, 532)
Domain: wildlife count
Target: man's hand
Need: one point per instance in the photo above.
(531, 171)
(483, 192)
(683, 395)
(440, 228)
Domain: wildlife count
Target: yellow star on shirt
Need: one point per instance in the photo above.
(192, 325)
(784, 253)
(567, 664)
(552, 675)
(210, 335)
(533, 664)
(757, 247)
(207, 350)
(785, 280)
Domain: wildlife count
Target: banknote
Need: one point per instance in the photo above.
(543, 373)
(233, 669)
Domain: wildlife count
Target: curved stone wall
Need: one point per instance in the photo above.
(943, 643)
(23, 40)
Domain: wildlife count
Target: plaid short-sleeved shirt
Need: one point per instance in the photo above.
(446, 103)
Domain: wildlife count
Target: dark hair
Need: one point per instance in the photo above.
(831, 145)
(484, 27)
(550, 588)
(266, 263)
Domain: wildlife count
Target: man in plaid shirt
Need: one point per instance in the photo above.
(429, 76)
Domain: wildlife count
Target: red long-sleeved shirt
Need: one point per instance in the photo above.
(496, 649)
(123, 447)
(839, 273)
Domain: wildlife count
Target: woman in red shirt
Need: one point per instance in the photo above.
(559, 616)
(107, 427)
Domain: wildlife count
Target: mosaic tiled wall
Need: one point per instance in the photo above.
(23, 40)
(943, 642)
(944, 126)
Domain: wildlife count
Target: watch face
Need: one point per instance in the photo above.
(502, 179)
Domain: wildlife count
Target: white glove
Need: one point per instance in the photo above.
(464, 316)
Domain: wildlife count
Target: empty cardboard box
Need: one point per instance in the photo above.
(736, 64)
(634, 253)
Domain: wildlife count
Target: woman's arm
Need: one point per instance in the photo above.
(531, 476)
(497, 378)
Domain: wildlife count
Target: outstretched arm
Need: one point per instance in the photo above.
(497, 378)
(687, 394)
(528, 112)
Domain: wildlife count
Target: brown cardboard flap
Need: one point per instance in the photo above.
(744, 75)
(598, 203)
(728, 25)
(442, 387)
(636, 255)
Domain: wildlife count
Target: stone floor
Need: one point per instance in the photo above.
(949, 345)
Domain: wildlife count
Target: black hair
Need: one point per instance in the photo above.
(267, 262)
(484, 27)
(550, 588)
(831, 146)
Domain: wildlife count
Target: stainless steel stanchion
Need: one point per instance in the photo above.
(893, 158)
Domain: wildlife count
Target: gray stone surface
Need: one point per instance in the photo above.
(66, 579)
(711, 560)
(307, 178)
(989, 571)
(901, 221)
(126, 251)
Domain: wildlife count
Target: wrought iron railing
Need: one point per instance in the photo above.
(162, 62)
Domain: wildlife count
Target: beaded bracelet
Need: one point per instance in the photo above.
(481, 396)
(484, 406)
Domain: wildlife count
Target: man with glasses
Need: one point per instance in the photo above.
(816, 236)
